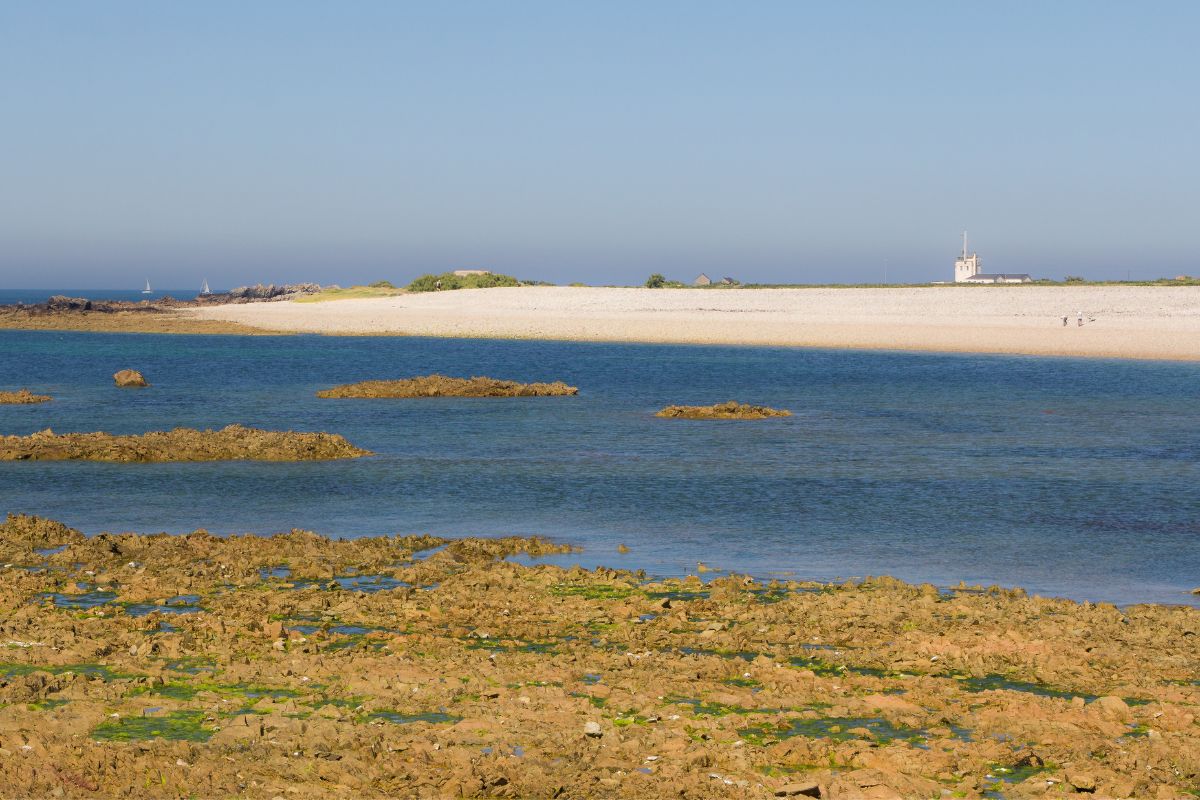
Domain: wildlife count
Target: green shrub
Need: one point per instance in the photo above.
(656, 281)
(448, 280)
(382, 285)
(1074, 279)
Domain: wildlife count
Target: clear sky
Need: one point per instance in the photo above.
(601, 141)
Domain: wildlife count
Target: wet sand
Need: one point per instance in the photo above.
(302, 666)
(1153, 322)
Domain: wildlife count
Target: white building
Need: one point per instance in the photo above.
(966, 270)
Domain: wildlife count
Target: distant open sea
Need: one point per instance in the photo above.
(30, 296)
(1064, 476)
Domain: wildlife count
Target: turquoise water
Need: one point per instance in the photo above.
(1068, 477)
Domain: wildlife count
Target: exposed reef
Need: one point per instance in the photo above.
(442, 386)
(730, 410)
(23, 397)
(411, 666)
(129, 378)
(232, 443)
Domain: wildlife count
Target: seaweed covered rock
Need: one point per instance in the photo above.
(730, 410)
(233, 443)
(22, 397)
(129, 379)
(443, 386)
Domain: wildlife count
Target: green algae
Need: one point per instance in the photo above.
(702, 708)
(838, 729)
(186, 726)
(46, 705)
(592, 591)
(994, 682)
(745, 683)
(90, 670)
(399, 718)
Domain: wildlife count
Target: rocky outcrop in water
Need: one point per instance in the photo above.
(409, 666)
(730, 410)
(442, 386)
(129, 379)
(233, 443)
(22, 397)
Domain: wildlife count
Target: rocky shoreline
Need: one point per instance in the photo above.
(299, 665)
(159, 315)
(443, 386)
(231, 443)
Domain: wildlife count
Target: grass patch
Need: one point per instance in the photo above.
(351, 293)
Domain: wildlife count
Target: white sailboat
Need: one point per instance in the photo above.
(204, 289)
(147, 290)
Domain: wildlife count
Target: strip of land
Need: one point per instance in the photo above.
(1150, 322)
(408, 666)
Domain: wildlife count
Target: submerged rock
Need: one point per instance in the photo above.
(730, 410)
(129, 378)
(232, 443)
(22, 397)
(443, 386)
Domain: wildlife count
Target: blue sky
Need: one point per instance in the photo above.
(599, 142)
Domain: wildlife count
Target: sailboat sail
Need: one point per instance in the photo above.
(147, 290)
(204, 289)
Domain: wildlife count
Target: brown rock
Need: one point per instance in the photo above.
(805, 789)
(442, 386)
(129, 379)
(730, 410)
(1081, 781)
(232, 443)
(22, 397)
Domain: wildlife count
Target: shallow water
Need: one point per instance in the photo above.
(1068, 477)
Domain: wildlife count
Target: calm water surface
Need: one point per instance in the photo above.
(1067, 477)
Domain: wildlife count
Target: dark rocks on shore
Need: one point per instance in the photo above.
(233, 443)
(259, 293)
(22, 397)
(730, 410)
(129, 379)
(442, 386)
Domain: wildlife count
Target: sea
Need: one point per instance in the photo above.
(32, 296)
(1068, 477)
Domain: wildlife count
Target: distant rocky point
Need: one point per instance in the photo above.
(22, 397)
(730, 410)
(442, 386)
(259, 293)
(233, 443)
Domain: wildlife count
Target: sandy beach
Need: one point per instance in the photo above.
(1150, 322)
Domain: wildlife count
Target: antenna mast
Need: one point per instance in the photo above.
(964, 244)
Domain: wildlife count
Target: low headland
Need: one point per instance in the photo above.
(412, 666)
(231, 443)
(730, 410)
(23, 397)
(443, 386)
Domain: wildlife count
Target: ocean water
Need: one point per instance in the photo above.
(1077, 478)
(133, 294)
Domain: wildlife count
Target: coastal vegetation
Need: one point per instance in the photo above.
(477, 676)
(377, 289)
(23, 397)
(729, 410)
(443, 386)
(232, 443)
(448, 280)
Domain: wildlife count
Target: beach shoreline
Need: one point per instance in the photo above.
(1159, 323)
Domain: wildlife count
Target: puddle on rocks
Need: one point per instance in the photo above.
(397, 718)
(183, 604)
(184, 726)
(84, 601)
(90, 670)
(839, 729)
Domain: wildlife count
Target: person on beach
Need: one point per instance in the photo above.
(1080, 318)
(1064, 322)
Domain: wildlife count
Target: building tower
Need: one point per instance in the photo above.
(965, 266)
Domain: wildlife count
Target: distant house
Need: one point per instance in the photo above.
(728, 281)
(462, 273)
(966, 270)
(702, 280)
